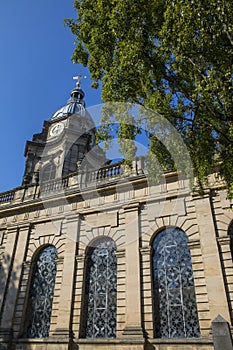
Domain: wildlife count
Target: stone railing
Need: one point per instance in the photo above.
(7, 196)
(54, 185)
(79, 180)
(108, 172)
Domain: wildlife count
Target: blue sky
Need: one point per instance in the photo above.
(36, 75)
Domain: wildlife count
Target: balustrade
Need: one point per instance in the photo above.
(7, 196)
(89, 177)
(54, 186)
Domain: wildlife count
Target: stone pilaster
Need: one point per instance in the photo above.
(13, 285)
(147, 291)
(133, 327)
(63, 328)
(211, 260)
(7, 260)
(79, 287)
(121, 302)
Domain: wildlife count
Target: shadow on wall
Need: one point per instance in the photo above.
(8, 292)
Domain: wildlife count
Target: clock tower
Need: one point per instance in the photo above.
(66, 138)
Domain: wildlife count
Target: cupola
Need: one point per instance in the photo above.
(67, 138)
(74, 105)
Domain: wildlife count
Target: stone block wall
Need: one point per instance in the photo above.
(132, 215)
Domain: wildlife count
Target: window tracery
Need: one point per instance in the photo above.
(41, 294)
(99, 309)
(175, 309)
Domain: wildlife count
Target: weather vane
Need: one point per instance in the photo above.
(78, 78)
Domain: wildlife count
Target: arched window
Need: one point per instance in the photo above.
(175, 310)
(75, 153)
(41, 292)
(99, 307)
(230, 233)
(49, 172)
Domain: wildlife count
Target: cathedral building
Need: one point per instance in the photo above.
(92, 257)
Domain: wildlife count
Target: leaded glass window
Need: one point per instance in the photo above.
(99, 309)
(175, 310)
(41, 294)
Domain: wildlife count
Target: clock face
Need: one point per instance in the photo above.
(57, 129)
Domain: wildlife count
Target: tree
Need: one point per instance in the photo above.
(174, 57)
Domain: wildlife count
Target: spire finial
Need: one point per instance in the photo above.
(78, 78)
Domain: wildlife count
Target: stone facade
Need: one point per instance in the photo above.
(119, 204)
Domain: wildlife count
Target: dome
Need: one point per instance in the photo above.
(75, 105)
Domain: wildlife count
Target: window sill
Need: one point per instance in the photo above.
(49, 340)
(181, 341)
(139, 341)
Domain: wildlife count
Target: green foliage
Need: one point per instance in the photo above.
(174, 57)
